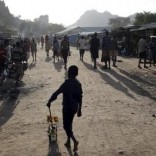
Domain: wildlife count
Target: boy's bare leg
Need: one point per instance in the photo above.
(75, 143)
(67, 144)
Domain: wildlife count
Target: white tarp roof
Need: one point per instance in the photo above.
(84, 30)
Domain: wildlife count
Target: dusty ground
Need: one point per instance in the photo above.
(118, 114)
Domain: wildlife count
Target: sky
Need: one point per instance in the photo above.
(67, 12)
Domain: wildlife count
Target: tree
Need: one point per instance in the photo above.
(144, 18)
(119, 22)
(54, 28)
(42, 26)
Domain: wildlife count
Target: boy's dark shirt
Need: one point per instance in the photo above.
(72, 91)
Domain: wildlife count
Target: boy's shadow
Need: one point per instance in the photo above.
(71, 153)
(54, 149)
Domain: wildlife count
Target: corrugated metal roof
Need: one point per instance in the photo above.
(146, 26)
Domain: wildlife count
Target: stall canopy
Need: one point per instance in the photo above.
(145, 27)
(71, 30)
(79, 30)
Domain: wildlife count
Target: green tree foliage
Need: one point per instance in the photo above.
(53, 28)
(119, 22)
(144, 18)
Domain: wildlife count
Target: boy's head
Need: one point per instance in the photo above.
(72, 71)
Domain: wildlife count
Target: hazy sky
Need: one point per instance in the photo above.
(67, 12)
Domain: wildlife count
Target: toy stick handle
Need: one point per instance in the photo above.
(50, 116)
(50, 112)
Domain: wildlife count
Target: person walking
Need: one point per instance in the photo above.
(33, 49)
(65, 50)
(114, 47)
(27, 47)
(69, 52)
(152, 47)
(42, 42)
(142, 48)
(47, 45)
(72, 103)
(90, 47)
(94, 48)
(106, 47)
(82, 42)
(59, 53)
(55, 48)
(17, 57)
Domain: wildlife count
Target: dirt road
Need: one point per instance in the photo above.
(118, 114)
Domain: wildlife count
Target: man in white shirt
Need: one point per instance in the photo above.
(82, 44)
(142, 48)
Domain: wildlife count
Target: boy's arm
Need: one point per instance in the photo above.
(80, 102)
(54, 96)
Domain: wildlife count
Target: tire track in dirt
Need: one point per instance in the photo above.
(116, 149)
(94, 114)
(116, 121)
(108, 145)
(90, 125)
(115, 111)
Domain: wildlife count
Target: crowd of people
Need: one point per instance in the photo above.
(60, 47)
(110, 49)
(15, 52)
(108, 46)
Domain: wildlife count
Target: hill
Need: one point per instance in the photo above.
(6, 18)
(93, 18)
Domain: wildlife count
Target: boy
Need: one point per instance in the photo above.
(72, 102)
